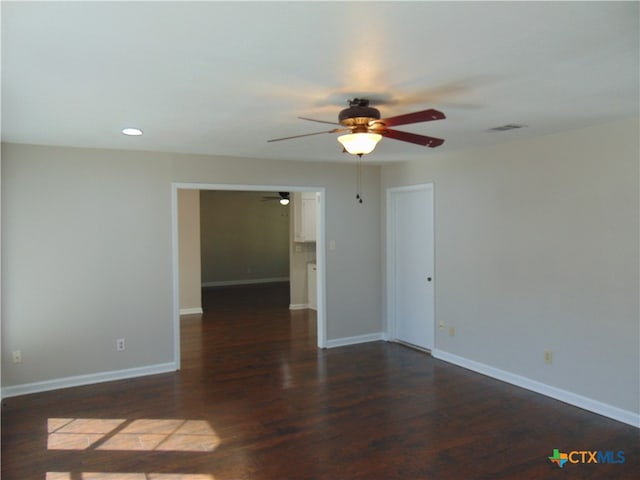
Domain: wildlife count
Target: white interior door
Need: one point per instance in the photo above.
(411, 265)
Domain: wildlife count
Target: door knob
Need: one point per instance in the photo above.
(428, 279)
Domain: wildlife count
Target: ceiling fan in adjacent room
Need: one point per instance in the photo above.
(366, 128)
(283, 197)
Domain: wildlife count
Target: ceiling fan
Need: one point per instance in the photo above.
(366, 128)
(283, 197)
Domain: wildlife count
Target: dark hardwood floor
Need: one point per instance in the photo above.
(255, 399)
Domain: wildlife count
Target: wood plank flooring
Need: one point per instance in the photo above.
(255, 399)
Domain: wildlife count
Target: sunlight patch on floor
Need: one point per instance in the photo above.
(131, 435)
(126, 476)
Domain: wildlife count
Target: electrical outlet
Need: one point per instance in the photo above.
(452, 331)
(120, 346)
(548, 357)
(17, 356)
(441, 325)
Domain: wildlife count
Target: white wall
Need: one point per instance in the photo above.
(537, 248)
(87, 254)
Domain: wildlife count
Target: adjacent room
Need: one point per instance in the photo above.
(320, 240)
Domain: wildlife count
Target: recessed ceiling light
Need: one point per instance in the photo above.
(134, 132)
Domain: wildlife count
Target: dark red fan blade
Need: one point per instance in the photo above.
(335, 130)
(415, 117)
(413, 138)
(318, 121)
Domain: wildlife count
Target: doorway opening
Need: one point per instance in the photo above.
(266, 191)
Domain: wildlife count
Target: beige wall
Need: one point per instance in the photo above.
(86, 259)
(244, 237)
(189, 251)
(537, 248)
(88, 233)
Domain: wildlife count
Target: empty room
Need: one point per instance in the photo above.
(320, 240)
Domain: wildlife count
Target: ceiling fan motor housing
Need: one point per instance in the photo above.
(359, 114)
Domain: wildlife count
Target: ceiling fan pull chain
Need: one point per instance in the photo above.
(359, 179)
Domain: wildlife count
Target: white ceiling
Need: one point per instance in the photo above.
(224, 77)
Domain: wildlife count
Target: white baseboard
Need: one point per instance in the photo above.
(80, 380)
(191, 311)
(595, 406)
(298, 306)
(344, 341)
(251, 281)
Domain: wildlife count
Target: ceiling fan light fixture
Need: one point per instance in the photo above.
(284, 198)
(359, 143)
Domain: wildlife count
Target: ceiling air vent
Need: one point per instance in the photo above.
(504, 128)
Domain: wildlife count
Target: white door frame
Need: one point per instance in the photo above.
(391, 261)
(320, 251)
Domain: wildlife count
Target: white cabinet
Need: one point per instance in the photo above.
(304, 219)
